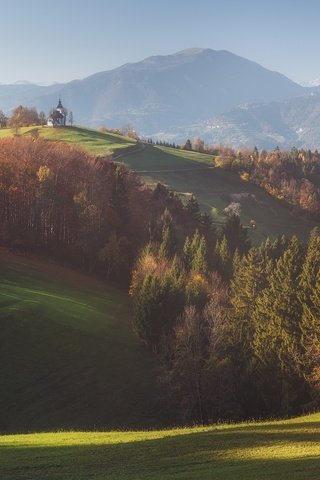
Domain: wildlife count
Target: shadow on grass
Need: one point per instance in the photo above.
(234, 453)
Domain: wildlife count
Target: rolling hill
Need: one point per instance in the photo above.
(283, 450)
(94, 141)
(68, 357)
(189, 173)
(193, 173)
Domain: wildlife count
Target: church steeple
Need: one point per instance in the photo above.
(59, 104)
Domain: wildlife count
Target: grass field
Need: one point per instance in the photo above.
(68, 357)
(94, 141)
(191, 172)
(283, 450)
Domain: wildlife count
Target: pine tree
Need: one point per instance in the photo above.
(187, 254)
(278, 310)
(236, 235)
(193, 209)
(166, 249)
(277, 335)
(145, 323)
(199, 262)
(309, 295)
(236, 260)
(250, 279)
(157, 306)
(223, 258)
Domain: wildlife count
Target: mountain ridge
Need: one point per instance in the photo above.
(161, 93)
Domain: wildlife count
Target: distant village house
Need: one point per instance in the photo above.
(58, 116)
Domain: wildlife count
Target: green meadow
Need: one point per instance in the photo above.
(282, 450)
(194, 173)
(68, 357)
(94, 141)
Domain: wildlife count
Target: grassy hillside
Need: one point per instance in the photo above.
(187, 173)
(96, 142)
(68, 357)
(283, 450)
(191, 172)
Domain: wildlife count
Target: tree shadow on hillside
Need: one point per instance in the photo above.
(231, 453)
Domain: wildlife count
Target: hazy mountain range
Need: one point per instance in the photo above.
(216, 95)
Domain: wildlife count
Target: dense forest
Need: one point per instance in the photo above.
(236, 329)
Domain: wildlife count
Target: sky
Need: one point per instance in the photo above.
(61, 40)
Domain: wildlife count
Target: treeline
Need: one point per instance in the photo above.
(236, 331)
(22, 117)
(293, 176)
(60, 200)
(197, 145)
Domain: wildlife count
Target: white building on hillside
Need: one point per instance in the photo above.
(58, 116)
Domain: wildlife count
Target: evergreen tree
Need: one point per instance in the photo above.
(167, 246)
(187, 254)
(236, 260)
(277, 333)
(158, 304)
(199, 262)
(249, 281)
(278, 311)
(310, 269)
(236, 235)
(193, 209)
(309, 294)
(187, 145)
(146, 310)
(223, 258)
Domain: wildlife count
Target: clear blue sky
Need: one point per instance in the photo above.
(60, 40)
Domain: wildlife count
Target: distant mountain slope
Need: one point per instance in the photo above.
(294, 122)
(161, 91)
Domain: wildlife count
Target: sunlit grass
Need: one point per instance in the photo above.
(256, 451)
(94, 141)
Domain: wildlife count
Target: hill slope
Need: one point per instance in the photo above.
(68, 357)
(191, 172)
(293, 122)
(282, 450)
(94, 141)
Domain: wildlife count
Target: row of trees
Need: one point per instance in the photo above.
(237, 331)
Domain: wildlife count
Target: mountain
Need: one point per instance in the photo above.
(160, 92)
(292, 122)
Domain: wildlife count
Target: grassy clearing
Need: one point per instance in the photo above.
(283, 450)
(189, 172)
(68, 357)
(95, 142)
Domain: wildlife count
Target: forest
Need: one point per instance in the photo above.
(235, 328)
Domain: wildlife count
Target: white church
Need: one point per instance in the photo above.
(58, 116)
